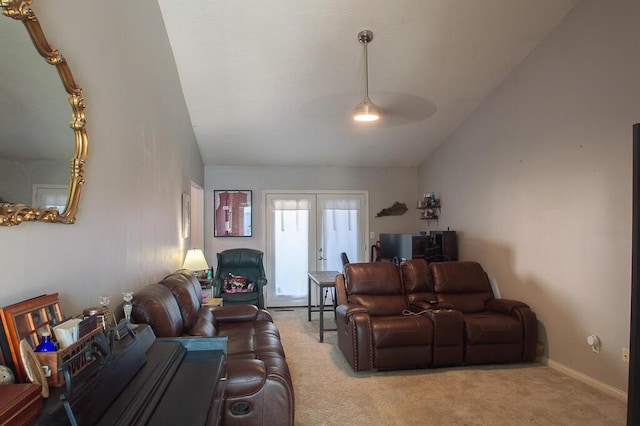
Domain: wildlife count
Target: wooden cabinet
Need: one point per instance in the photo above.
(19, 403)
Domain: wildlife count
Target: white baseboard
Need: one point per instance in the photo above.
(561, 368)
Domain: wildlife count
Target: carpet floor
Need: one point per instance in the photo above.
(329, 392)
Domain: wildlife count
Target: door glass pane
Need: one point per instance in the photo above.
(340, 235)
(291, 237)
(341, 230)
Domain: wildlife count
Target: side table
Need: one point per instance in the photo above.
(324, 280)
(213, 302)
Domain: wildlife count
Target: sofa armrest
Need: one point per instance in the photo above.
(244, 377)
(353, 324)
(261, 282)
(504, 306)
(527, 318)
(349, 309)
(240, 313)
(216, 283)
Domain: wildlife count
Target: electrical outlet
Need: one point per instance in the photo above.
(372, 235)
(625, 355)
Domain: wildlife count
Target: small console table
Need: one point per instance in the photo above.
(324, 280)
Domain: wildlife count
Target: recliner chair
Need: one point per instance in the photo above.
(373, 333)
(244, 264)
(495, 330)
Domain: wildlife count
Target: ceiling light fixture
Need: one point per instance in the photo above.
(366, 110)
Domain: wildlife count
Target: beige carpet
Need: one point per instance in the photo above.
(328, 392)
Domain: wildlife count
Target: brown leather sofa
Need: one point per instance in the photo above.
(428, 315)
(259, 390)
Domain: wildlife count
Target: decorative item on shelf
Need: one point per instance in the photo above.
(430, 206)
(429, 200)
(33, 368)
(104, 317)
(46, 344)
(6, 375)
(428, 214)
(127, 307)
(67, 332)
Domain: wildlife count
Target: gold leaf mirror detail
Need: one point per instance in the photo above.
(32, 186)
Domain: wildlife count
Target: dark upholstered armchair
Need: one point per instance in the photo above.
(240, 277)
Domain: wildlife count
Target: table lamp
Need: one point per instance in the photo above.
(195, 261)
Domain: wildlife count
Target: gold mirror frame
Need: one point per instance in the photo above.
(15, 214)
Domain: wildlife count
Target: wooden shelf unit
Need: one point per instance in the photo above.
(29, 319)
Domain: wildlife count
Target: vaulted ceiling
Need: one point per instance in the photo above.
(275, 82)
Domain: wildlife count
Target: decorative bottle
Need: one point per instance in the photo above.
(46, 344)
(127, 307)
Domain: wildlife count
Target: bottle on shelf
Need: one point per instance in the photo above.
(46, 344)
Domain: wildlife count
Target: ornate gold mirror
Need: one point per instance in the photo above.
(35, 142)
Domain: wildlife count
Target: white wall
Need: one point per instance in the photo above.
(142, 157)
(538, 184)
(385, 186)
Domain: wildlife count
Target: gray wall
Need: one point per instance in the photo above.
(385, 186)
(538, 182)
(142, 157)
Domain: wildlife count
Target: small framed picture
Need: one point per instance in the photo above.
(232, 213)
(186, 216)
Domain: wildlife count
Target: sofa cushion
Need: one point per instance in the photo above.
(251, 338)
(380, 305)
(491, 328)
(376, 286)
(380, 278)
(187, 294)
(401, 330)
(416, 276)
(464, 285)
(155, 305)
(202, 328)
(417, 281)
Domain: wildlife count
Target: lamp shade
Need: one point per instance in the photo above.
(366, 111)
(195, 261)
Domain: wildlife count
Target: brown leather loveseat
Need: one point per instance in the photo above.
(258, 390)
(428, 315)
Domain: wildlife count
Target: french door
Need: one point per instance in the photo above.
(307, 232)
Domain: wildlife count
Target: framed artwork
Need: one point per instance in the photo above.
(232, 213)
(186, 215)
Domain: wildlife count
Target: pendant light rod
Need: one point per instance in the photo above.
(365, 38)
(366, 110)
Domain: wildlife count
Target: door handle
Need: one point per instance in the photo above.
(322, 258)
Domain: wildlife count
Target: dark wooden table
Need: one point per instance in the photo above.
(324, 281)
